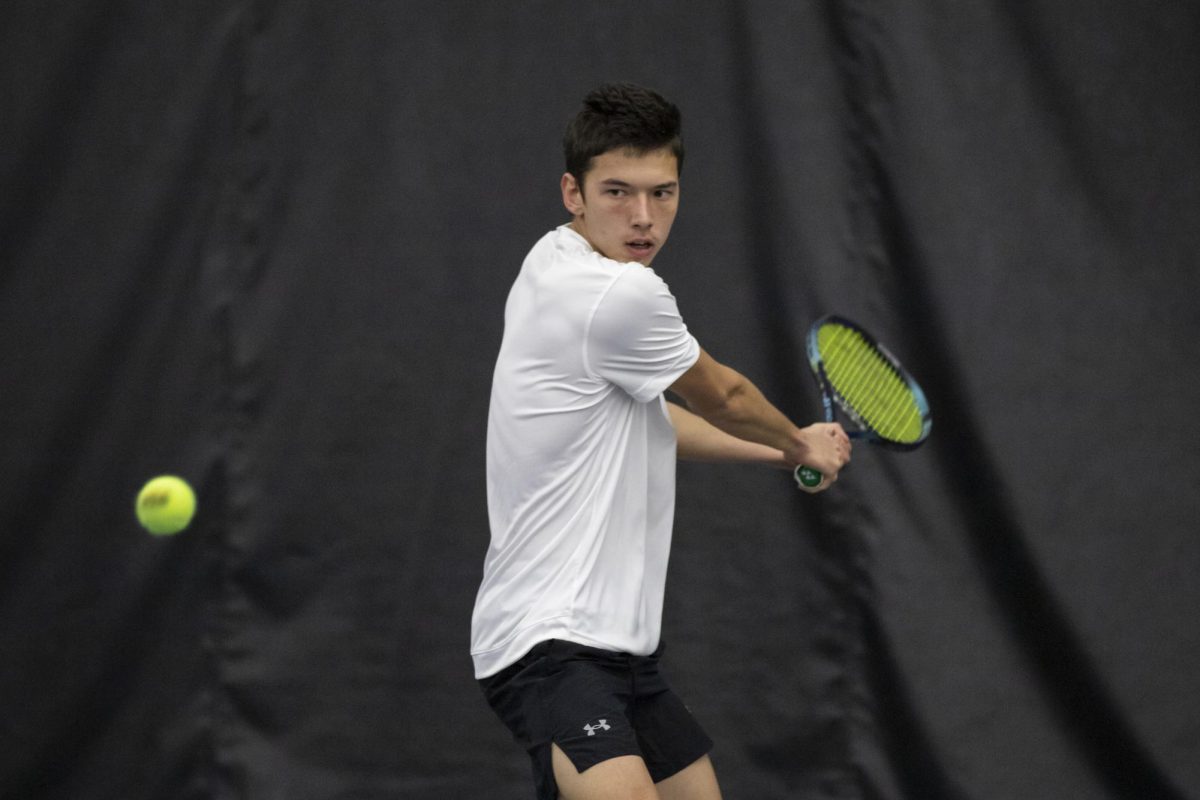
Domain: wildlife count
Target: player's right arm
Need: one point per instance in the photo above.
(727, 400)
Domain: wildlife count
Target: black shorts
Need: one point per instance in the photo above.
(595, 705)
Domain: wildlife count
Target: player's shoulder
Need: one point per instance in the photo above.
(638, 284)
(568, 247)
(565, 259)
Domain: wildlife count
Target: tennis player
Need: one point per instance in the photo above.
(581, 450)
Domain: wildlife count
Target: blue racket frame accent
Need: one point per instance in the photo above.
(809, 478)
(829, 395)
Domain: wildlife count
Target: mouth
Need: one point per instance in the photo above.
(640, 247)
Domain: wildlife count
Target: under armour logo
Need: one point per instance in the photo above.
(602, 725)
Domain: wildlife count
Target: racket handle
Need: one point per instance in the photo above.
(807, 477)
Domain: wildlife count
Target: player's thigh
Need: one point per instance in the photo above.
(620, 778)
(697, 781)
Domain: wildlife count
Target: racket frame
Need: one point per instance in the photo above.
(830, 396)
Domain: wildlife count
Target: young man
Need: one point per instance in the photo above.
(581, 451)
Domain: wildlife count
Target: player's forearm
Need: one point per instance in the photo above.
(728, 401)
(698, 440)
(743, 412)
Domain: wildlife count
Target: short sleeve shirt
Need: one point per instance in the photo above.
(580, 456)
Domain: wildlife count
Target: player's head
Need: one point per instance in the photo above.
(623, 117)
(625, 145)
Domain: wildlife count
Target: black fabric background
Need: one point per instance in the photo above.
(266, 246)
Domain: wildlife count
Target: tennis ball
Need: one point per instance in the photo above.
(165, 505)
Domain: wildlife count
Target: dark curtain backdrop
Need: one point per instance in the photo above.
(266, 246)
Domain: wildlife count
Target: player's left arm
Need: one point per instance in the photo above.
(699, 440)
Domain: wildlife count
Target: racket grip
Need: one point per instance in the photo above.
(807, 477)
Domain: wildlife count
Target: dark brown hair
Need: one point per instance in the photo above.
(621, 116)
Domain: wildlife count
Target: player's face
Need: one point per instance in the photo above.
(627, 203)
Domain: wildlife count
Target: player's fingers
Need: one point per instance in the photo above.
(838, 433)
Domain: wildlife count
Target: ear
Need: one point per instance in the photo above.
(572, 194)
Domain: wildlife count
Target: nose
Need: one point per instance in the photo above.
(641, 211)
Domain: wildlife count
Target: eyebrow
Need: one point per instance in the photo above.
(627, 185)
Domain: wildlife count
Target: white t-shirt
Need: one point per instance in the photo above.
(580, 456)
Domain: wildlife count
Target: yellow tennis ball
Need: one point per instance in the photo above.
(165, 505)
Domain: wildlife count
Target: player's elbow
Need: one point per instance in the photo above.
(728, 403)
(712, 390)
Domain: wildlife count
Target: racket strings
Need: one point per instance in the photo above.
(868, 387)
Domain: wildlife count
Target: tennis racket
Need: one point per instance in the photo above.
(867, 383)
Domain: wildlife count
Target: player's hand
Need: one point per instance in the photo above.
(823, 446)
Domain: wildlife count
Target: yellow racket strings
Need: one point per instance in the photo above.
(869, 384)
